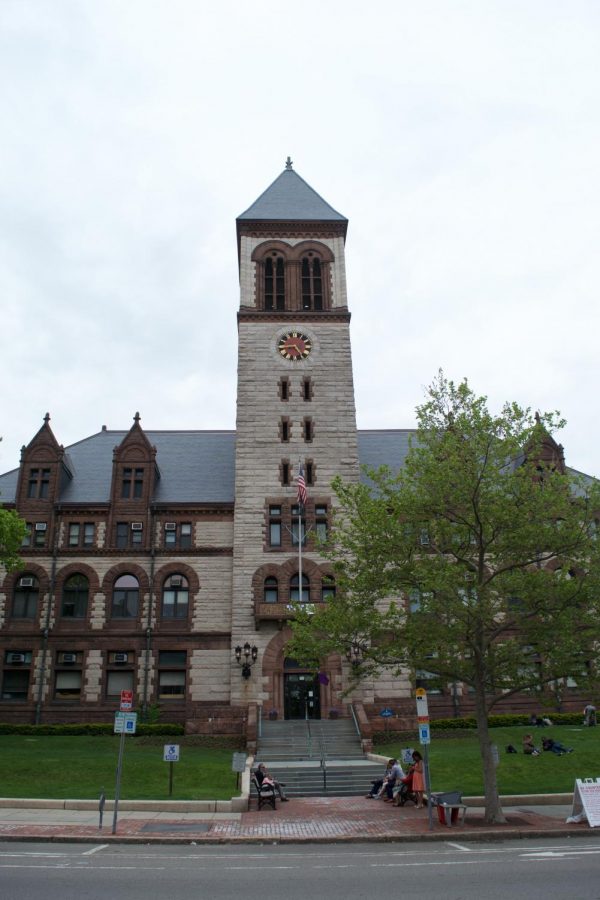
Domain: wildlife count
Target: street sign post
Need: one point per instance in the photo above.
(126, 701)
(424, 740)
(171, 755)
(125, 723)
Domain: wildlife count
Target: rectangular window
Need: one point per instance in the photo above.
(74, 529)
(309, 472)
(44, 484)
(308, 430)
(32, 484)
(275, 526)
(122, 535)
(186, 535)
(171, 674)
(285, 472)
(67, 686)
(138, 483)
(284, 429)
(40, 534)
(136, 538)
(26, 542)
(171, 536)
(117, 682)
(89, 534)
(15, 684)
(284, 389)
(298, 527)
(307, 390)
(321, 528)
(126, 484)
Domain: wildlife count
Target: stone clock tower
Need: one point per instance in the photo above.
(295, 408)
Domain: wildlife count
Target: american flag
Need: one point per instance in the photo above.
(302, 495)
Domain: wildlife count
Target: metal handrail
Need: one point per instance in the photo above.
(354, 719)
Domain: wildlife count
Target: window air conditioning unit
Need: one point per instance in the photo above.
(41, 526)
(15, 659)
(69, 658)
(121, 657)
(170, 526)
(26, 582)
(137, 526)
(176, 581)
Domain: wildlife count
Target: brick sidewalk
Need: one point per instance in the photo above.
(301, 820)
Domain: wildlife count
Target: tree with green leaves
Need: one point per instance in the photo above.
(477, 562)
(12, 532)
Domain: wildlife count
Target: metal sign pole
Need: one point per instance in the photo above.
(170, 779)
(118, 783)
(428, 787)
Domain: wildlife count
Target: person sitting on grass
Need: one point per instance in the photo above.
(529, 747)
(555, 747)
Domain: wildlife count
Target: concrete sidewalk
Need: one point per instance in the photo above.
(315, 819)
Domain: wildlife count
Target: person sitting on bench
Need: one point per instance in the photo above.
(262, 776)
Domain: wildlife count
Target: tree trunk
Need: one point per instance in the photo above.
(493, 808)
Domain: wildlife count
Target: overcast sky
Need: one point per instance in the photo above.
(461, 139)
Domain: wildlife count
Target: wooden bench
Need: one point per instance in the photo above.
(451, 809)
(265, 793)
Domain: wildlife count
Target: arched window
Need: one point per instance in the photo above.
(175, 599)
(25, 598)
(125, 599)
(274, 282)
(294, 589)
(75, 597)
(327, 588)
(271, 592)
(312, 282)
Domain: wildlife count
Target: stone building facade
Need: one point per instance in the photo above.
(152, 556)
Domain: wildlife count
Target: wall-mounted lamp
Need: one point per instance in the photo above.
(245, 657)
(354, 653)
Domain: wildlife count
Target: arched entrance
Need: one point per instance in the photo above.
(301, 692)
(292, 691)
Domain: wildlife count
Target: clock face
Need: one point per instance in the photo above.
(294, 346)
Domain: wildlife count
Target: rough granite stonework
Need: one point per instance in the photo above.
(101, 535)
(92, 676)
(259, 449)
(98, 612)
(214, 534)
(210, 676)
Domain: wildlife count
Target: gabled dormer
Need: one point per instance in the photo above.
(43, 473)
(134, 475)
(134, 470)
(543, 450)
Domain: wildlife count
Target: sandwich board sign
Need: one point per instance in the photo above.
(586, 799)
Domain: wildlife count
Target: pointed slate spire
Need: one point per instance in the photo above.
(290, 199)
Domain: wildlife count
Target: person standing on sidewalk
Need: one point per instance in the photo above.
(418, 782)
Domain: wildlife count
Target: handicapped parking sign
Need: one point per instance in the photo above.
(424, 735)
(171, 753)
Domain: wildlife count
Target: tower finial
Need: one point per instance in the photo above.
(289, 164)
(47, 418)
(136, 418)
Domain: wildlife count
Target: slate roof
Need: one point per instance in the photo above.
(195, 466)
(290, 198)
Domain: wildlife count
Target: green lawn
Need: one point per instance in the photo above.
(455, 763)
(82, 767)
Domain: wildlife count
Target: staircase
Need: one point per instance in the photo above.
(316, 758)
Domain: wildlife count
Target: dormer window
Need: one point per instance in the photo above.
(132, 484)
(38, 485)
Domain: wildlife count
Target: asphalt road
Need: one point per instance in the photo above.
(536, 870)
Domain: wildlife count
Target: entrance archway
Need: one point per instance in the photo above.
(301, 692)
